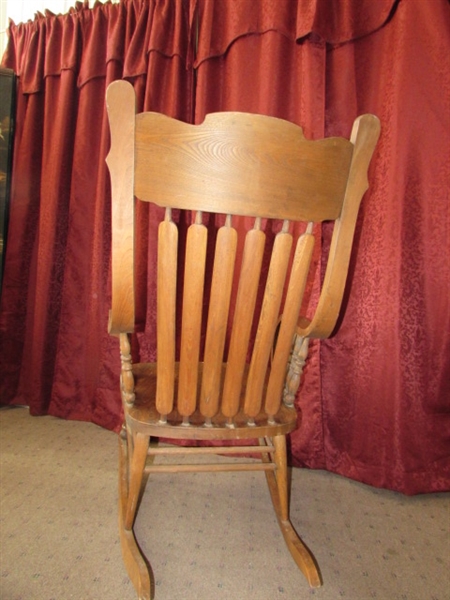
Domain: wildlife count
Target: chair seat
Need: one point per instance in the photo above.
(144, 417)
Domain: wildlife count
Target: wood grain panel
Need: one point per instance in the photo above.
(222, 281)
(194, 277)
(120, 102)
(166, 314)
(292, 305)
(243, 319)
(267, 322)
(242, 164)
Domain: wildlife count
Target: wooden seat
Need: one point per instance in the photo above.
(231, 344)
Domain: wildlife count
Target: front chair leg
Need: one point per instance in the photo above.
(280, 457)
(136, 474)
(278, 487)
(135, 562)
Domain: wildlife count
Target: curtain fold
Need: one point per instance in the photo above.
(56, 354)
(386, 374)
(333, 21)
(376, 397)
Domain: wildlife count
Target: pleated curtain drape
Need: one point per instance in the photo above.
(386, 375)
(375, 398)
(56, 354)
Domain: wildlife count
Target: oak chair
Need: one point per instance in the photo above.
(232, 387)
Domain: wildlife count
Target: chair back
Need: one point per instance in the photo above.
(238, 320)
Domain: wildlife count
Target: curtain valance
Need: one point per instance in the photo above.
(332, 21)
(85, 40)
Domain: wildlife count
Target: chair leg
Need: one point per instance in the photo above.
(278, 487)
(136, 475)
(137, 567)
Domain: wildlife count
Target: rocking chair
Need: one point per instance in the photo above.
(230, 339)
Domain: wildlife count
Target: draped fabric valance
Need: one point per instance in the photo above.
(86, 40)
(331, 21)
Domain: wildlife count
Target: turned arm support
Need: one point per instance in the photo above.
(126, 376)
(296, 364)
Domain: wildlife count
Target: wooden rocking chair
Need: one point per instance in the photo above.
(235, 378)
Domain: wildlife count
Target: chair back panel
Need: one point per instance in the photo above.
(268, 320)
(240, 164)
(217, 322)
(213, 380)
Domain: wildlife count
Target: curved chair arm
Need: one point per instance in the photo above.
(365, 133)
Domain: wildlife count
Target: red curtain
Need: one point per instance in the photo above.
(376, 397)
(386, 374)
(56, 355)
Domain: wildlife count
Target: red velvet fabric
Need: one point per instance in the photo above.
(56, 354)
(333, 21)
(386, 374)
(376, 397)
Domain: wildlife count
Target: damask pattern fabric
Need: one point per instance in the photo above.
(386, 374)
(376, 397)
(57, 356)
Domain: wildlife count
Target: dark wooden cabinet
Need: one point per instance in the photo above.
(7, 111)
